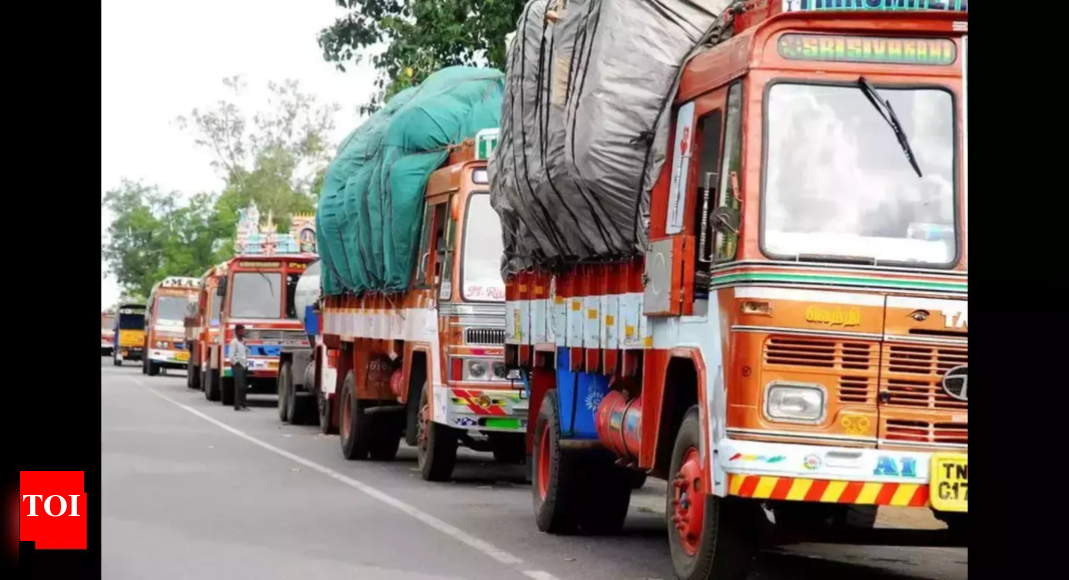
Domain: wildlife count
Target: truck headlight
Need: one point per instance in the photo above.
(160, 344)
(477, 369)
(500, 372)
(794, 402)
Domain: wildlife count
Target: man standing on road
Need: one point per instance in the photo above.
(239, 362)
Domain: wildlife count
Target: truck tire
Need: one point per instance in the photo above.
(708, 536)
(211, 385)
(153, 368)
(354, 423)
(412, 414)
(436, 444)
(508, 448)
(115, 360)
(385, 436)
(326, 413)
(556, 486)
(297, 408)
(226, 390)
(284, 384)
(192, 375)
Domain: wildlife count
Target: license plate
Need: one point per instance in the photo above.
(273, 365)
(949, 488)
(182, 356)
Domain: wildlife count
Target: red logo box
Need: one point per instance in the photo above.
(53, 509)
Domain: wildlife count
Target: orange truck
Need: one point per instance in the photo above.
(427, 364)
(107, 333)
(792, 347)
(168, 302)
(256, 291)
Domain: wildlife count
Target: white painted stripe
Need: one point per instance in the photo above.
(769, 293)
(447, 529)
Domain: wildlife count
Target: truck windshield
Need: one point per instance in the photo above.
(132, 322)
(171, 308)
(482, 252)
(256, 295)
(838, 186)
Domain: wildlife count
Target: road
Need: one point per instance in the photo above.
(193, 490)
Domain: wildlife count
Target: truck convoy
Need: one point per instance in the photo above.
(257, 289)
(129, 331)
(164, 330)
(107, 333)
(412, 307)
(737, 260)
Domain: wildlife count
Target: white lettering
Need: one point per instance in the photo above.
(74, 506)
(33, 504)
(958, 319)
(48, 503)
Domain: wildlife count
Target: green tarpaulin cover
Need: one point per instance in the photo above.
(371, 205)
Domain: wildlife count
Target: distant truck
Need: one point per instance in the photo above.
(107, 333)
(202, 326)
(256, 291)
(129, 332)
(164, 331)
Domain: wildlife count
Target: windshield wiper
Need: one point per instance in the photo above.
(866, 260)
(883, 107)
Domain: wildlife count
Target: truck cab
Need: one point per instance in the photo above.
(107, 333)
(168, 303)
(202, 326)
(129, 332)
(258, 292)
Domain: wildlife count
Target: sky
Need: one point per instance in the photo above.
(160, 60)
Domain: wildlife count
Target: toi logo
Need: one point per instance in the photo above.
(53, 507)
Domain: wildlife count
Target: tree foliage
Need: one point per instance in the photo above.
(276, 157)
(154, 236)
(420, 37)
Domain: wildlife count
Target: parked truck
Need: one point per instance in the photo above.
(129, 331)
(788, 340)
(202, 326)
(107, 333)
(165, 346)
(307, 375)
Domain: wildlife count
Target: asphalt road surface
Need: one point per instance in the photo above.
(193, 490)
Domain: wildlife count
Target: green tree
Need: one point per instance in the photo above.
(154, 235)
(276, 157)
(421, 36)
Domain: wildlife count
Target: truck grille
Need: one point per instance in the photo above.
(853, 362)
(927, 432)
(273, 336)
(484, 336)
(913, 375)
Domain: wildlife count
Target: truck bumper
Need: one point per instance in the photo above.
(173, 358)
(259, 367)
(130, 353)
(845, 475)
(481, 409)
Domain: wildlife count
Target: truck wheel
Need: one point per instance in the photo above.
(354, 424)
(326, 413)
(708, 536)
(211, 385)
(638, 479)
(385, 436)
(508, 448)
(115, 360)
(436, 444)
(555, 484)
(153, 368)
(296, 407)
(226, 390)
(192, 375)
(284, 385)
(412, 410)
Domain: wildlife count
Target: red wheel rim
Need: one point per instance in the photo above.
(347, 415)
(688, 501)
(543, 462)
